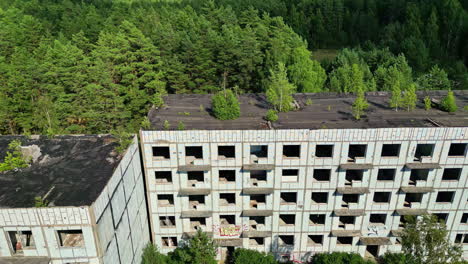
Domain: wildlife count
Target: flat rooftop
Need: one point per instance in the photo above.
(316, 111)
(68, 170)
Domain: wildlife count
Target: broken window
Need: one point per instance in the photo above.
(315, 240)
(287, 219)
(464, 219)
(461, 238)
(226, 152)
(353, 176)
(377, 219)
(227, 219)
(445, 197)
(256, 241)
(442, 217)
(169, 241)
(291, 151)
(286, 240)
(386, 174)
(324, 151)
(256, 222)
(197, 223)
(382, 197)
(195, 177)
(167, 221)
(343, 221)
(20, 240)
(289, 175)
(288, 197)
(165, 199)
(412, 198)
(349, 199)
(344, 241)
(259, 151)
(390, 150)
(194, 152)
(226, 176)
(423, 150)
(227, 199)
(317, 219)
(163, 176)
(161, 153)
(418, 175)
(452, 174)
(457, 149)
(356, 151)
(257, 199)
(322, 174)
(196, 200)
(257, 176)
(320, 197)
(71, 238)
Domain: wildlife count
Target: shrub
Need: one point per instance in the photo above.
(448, 104)
(181, 126)
(396, 258)
(166, 125)
(248, 256)
(427, 103)
(225, 105)
(339, 258)
(271, 115)
(14, 159)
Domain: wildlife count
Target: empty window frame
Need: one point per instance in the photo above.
(386, 174)
(256, 222)
(167, 221)
(322, 174)
(412, 198)
(257, 199)
(287, 219)
(256, 241)
(20, 240)
(343, 221)
(161, 153)
(344, 241)
(442, 217)
(288, 198)
(227, 176)
(382, 197)
(196, 200)
(289, 175)
(317, 219)
(169, 241)
(390, 150)
(291, 151)
(227, 199)
(320, 197)
(315, 240)
(163, 177)
(445, 197)
(197, 223)
(227, 219)
(258, 176)
(286, 240)
(451, 174)
(349, 199)
(356, 151)
(165, 200)
(194, 152)
(195, 177)
(353, 176)
(259, 151)
(461, 238)
(403, 221)
(418, 175)
(70, 238)
(423, 150)
(464, 219)
(324, 151)
(457, 149)
(226, 152)
(378, 219)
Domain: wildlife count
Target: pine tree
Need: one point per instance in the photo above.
(279, 89)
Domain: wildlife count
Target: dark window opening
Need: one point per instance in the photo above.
(290, 172)
(377, 218)
(353, 176)
(256, 199)
(226, 152)
(195, 152)
(452, 174)
(256, 241)
(324, 151)
(320, 197)
(196, 176)
(165, 199)
(457, 149)
(227, 219)
(197, 223)
(161, 152)
(196, 200)
(382, 197)
(289, 175)
(286, 240)
(390, 150)
(386, 174)
(445, 197)
(256, 221)
(169, 241)
(227, 199)
(227, 176)
(458, 238)
(344, 240)
(291, 151)
(412, 198)
(287, 219)
(346, 220)
(322, 174)
(71, 238)
(464, 219)
(423, 150)
(315, 240)
(403, 221)
(372, 250)
(350, 198)
(317, 219)
(288, 197)
(163, 176)
(257, 176)
(260, 151)
(167, 221)
(20, 240)
(442, 217)
(356, 151)
(418, 175)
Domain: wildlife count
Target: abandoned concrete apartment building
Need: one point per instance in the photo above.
(314, 181)
(96, 207)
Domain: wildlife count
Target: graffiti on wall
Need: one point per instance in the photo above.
(230, 231)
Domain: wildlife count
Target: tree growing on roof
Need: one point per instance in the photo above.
(360, 104)
(279, 90)
(448, 103)
(14, 159)
(225, 105)
(409, 97)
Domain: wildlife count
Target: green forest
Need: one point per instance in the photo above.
(87, 66)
